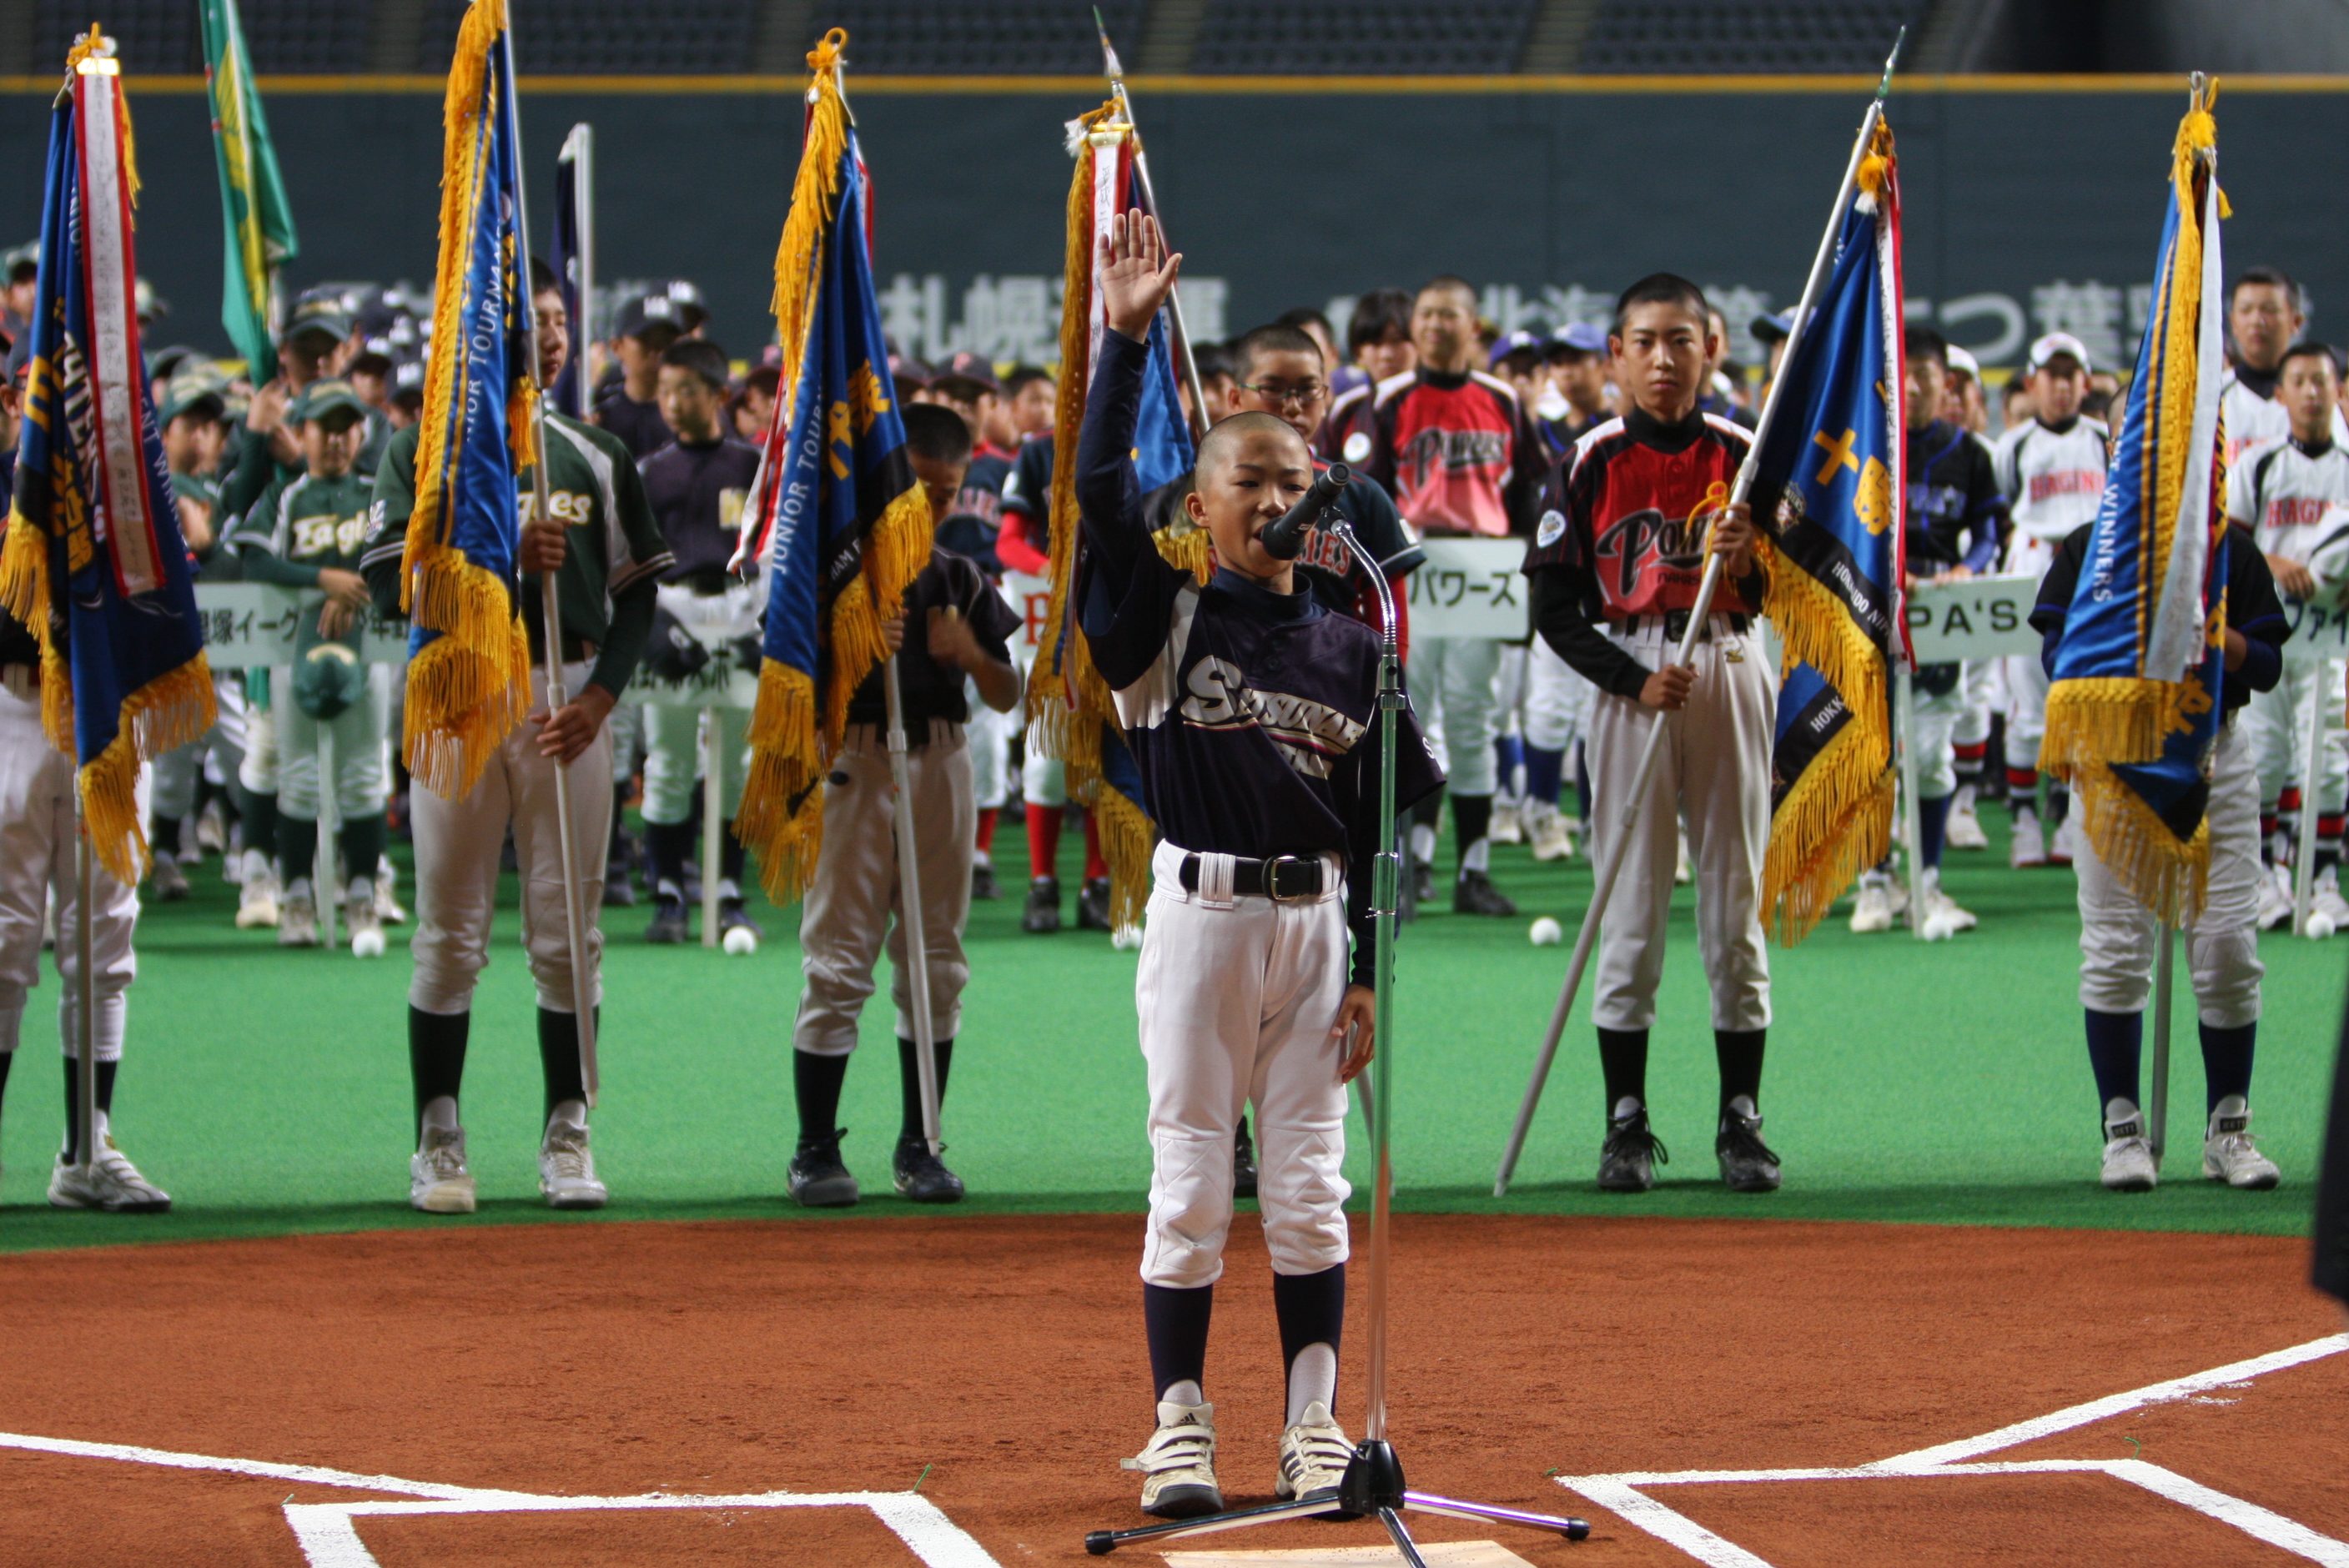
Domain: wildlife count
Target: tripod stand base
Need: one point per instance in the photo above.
(1372, 1487)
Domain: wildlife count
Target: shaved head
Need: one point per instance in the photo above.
(1229, 434)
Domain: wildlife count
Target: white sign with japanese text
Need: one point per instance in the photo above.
(250, 624)
(1469, 588)
(1979, 618)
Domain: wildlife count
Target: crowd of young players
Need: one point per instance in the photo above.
(1456, 428)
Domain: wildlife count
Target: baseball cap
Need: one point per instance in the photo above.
(692, 311)
(1517, 342)
(649, 313)
(323, 398)
(911, 372)
(318, 315)
(975, 370)
(147, 302)
(407, 378)
(1581, 336)
(1964, 362)
(1774, 329)
(24, 262)
(187, 393)
(2053, 344)
(328, 676)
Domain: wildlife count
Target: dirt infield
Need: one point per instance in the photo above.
(999, 1362)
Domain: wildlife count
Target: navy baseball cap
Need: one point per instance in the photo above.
(910, 373)
(1517, 342)
(971, 369)
(1776, 329)
(650, 312)
(1580, 337)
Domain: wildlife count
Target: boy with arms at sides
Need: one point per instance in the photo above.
(1616, 564)
(2282, 492)
(961, 632)
(2050, 468)
(1248, 708)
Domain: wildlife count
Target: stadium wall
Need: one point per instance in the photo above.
(2029, 204)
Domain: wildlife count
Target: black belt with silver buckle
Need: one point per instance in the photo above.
(1676, 622)
(1281, 878)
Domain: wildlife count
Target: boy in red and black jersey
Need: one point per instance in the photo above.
(1460, 457)
(1615, 569)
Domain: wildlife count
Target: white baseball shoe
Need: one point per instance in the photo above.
(2275, 897)
(1508, 825)
(1313, 1456)
(2324, 898)
(1178, 1463)
(1943, 916)
(2028, 848)
(386, 900)
(2228, 1154)
(256, 904)
(2129, 1156)
(1873, 910)
(112, 1183)
(171, 882)
(2068, 844)
(1553, 835)
(1682, 874)
(1965, 829)
(566, 1170)
(297, 917)
(212, 829)
(438, 1181)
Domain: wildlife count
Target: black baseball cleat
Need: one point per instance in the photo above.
(1093, 904)
(1475, 894)
(1746, 1163)
(730, 914)
(1628, 1159)
(817, 1178)
(1043, 912)
(982, 883)
(669, 923)
(922, 1177)
(1244, 1163)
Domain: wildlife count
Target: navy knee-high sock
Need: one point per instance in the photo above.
(1624, 1063)
(435, 1057)
(2227, 1062)
(1545, 774)
(559, 1067)
(1933, 829)
(105, 1071)
(1310, 1309)
(2116, 1044)
(1176, 1323)
(1508, 756)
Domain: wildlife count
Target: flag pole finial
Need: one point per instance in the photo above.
(1884, 85)
(1110, 62)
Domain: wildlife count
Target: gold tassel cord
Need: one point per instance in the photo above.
(1841, 809)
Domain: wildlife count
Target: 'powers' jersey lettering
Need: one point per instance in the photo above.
(1456, 452)
(1620, 510)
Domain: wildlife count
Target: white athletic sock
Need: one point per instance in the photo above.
(440, 1114)
(1742, 1106)
(572, 1113)
(1422, 843)
(1629, 1105)
(1479, 856)
(1184, 1392)
(1312, 1376)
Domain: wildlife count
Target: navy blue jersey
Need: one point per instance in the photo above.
(1249, 713)
(971, 526)
(1956, 515)
(698, 494)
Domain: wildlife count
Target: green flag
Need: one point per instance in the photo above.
(258, 221)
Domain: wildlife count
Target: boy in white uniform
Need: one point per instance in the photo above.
(2050, 468)
(2279, 491)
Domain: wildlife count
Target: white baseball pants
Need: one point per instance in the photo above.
(2026, 677)
(989, 734)
(2118, 934)
(217, 754)
(673, 733)
(1983, 687)
(856, 890)
(258, 771)
(1557, 700)
(362, 735)
(1713, 769)
(2275, 725)
(457, 844)
(1937, 720)
(1236, 996)
(1452, 681)
(1042, 780)
(37, 866)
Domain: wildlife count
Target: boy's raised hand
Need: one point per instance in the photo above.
(1137, 273)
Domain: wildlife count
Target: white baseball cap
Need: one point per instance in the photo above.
(2056, 342)
(1963, 360)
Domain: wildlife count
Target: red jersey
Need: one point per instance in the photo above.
(1456, 452)
(1618, 511)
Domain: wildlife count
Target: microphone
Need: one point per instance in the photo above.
(1284, 537)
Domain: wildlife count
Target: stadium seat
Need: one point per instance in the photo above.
(615, 37)
(981, 37)
(1363, 37)
(1743, 37)
(164, 36)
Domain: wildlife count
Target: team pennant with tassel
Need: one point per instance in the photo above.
(1071, 715)
(93, 562)
(1829, 476)
(838, 523)
(469, 658)
(2135, 702)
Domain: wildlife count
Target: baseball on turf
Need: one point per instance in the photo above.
(741, 940)
(1547, 932)
(2320, 926)
(367, 945)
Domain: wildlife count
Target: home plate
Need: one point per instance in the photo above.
(1437, 1554)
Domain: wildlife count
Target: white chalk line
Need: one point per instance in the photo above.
(328, 1531)
(1622, 1493)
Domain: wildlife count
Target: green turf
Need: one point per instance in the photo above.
(268, 1090)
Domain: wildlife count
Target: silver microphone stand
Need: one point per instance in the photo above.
(1374, 1484)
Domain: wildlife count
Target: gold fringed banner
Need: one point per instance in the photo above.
(1842, 809)
(162, 716)
(2139, 849)
(782, 816)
